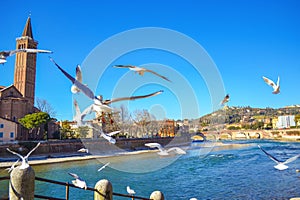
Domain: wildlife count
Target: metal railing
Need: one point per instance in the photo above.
(68, 185)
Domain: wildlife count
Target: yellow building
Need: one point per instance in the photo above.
(8, 130)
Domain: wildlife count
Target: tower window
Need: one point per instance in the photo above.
(1, 125)
(12, 134)
(1, 134)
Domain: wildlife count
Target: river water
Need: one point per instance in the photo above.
(243, 173)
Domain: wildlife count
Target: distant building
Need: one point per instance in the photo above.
(286, 121)
(8, 130)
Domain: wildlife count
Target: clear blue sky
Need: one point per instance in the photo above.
(246, 39)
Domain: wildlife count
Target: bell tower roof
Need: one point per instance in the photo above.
(27, 29)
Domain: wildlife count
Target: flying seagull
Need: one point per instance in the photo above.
(225, 100)
(12, 167)
(130, 191)
(101, 168)
(276, 87)
(24, 164)
(78, 182)
(99, 105)
(108, 136)
(141, 70)
(83, 150)
(164, 152)
(74, 88)
(5, 54)
(280, 164)
(79, 116)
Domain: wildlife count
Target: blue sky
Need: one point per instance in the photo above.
(245, 40)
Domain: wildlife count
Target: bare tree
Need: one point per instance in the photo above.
(44, 106)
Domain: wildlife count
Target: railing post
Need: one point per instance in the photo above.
(157, 195)
(105, 188)
(67, 191)
(21, 184)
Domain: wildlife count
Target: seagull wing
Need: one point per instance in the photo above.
(155, 145)
(32, 150)
(74, 176)
(36, 51)
(78, 74)
(87, 91)
(106, 102)
(278, 81)
(157, 74)
(101, 168)
(225, 100)
(269, 82)
(125, 66)
(77, 111)
(291, 159)
(270, 156)
(177, 150)
(20, 156)
(113, 133)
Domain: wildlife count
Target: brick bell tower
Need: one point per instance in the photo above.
(25, 64)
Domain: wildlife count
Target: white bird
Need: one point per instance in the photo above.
(141, 70)
(83, 150)
(74, 88)
(276, 87)
(280, 164)
(164, 152)
(99, 105)
(108, 136)
(12, 167)
(101, 168)
(78, 182)
(225, 100)
(79, 116)
(193, 198)
(130, 191)
(5, 54)
(24, 164)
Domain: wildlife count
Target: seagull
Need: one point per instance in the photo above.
(83, 150)
(130, 191)
(225, 100)
(5, 54)
(280, 165)
(101, 168)
(79, 116)
(74, 88)
(164, 152)
(78, 182)
(276, 87)
(12, 167)
(99, 105)
(24, 164)
(108, 136)
(141, 70)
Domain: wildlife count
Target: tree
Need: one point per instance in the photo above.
(34, 121)
(82, 131)
(66, 131)
(297, 120)
(44, 106)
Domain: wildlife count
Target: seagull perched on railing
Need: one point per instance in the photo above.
(130, 191)
(141, 70)
(5, 54)
(99, 104)
(276, 87)
(78, 182)
(280, 164)
(164, 152)
(24, 164)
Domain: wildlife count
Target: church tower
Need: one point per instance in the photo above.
(25, 64)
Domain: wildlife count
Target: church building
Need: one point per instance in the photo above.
(17, 100)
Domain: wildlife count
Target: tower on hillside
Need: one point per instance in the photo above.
(25, 65)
